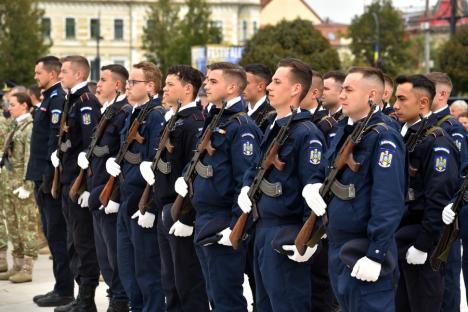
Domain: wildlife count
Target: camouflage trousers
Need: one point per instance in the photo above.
(21, 219)
(3, 229)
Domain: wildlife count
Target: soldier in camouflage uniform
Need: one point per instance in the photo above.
(20, 212)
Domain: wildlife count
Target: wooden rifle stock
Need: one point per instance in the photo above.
(270, 159)
(202, 147)
(106, 193)
(164, 144)
(75, 188)
(55, 190)
(343, 159)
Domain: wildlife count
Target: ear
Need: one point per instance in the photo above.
(424, 103)
(232, 88)
(372, 95)
(261, 86)
(296, 89)
(150, 87)
(188, 89)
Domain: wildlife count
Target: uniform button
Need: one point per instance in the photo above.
(377, 251)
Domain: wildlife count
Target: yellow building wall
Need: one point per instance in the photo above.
(277, 10)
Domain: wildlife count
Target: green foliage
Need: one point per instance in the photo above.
(168, 38)
(395, 52)
(21, 40)
(296, 39)
(453, 59)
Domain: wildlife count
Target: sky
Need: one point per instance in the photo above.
(344, 10)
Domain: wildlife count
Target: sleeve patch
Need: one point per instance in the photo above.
(247, 148)
(385, 158)
(86, 118)
(441, 149)
(315, 141)
(55, 116)
(458, 135)
(440, 163)
(315, 155)
(85, 108)
(386, 142)
(248, 134)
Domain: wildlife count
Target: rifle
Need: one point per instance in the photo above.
(55, 189)
(4, 160)
(450, 231)
(261, 117)
(343, 159)
(314, 116)
(416, 137)
(270, 159)
(132, 135)
(97, 134)
(164, 144)
(202, 147)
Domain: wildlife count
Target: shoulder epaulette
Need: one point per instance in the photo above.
(53, 93)
(84, 97)
(449, 118)
(435, 131)
(378, 127)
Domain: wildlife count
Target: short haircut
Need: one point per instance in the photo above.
(232, 71)
(440, 78)
(464, 114)
(118, 72)
(50, 63)
(301, 73)
(23, 98)
(35, 90)
(389, 80)
(336, 75)
(419, 82)
(151, 73)
(80, 61)
(460, 104)
(187, 74)
(369, 73)
(317, 80)
(259, 70)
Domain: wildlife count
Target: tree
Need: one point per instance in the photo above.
(453, 59)
(395, 51)
(296, 39)
(168, 39)
(21, 40)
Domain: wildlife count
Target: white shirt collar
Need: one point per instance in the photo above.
(108, 103)
(351, 122)
(256, 106)
(78, 86)
(405, 127)
(339, 108)
(440, 109)
(274, 121)
(232, 102)
(170, 112)
(155, 96)
(22, 117)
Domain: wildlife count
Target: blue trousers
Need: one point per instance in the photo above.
(138, 257)
(281, 283)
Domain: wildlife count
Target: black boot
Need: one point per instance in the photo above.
(118, 306)
(68, 307)
(86, 302)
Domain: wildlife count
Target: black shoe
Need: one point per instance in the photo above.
(53, 300)
(67, 307)
(35, 298)
(118, 306)
(85, 303)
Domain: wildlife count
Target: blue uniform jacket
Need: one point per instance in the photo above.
(44, 134)
(302, 152)
(150, 130)
(436, 160)
(378, 206)
(237, 149)
(83, 116)
(97, 174)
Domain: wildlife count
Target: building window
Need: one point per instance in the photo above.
(244, 30)
(255, 27)
(94, 64)
(94, 28)
(118, 29)
(46, 27)
(70, 28)
(119, 62)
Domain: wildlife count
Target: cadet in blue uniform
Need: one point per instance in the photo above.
(182, 278)
(40, 170)
(137, 245)
(237, 148)
(373, 211)
(385, 106)
(83, 115)
(456, 130)
(283, 211)
(433, 181)
(113, 78)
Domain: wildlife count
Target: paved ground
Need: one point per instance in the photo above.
(18, 297)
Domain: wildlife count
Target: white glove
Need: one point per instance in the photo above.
(448, 215)
(145, 220)
(415, 256)
(22, 192)
(83, 199)
(366, 270)
(54, 159)
(244, 201)
(225, 237)
(181, 230)
(296, 256)
(146, 172)
(112, 207)
(112, 167)
(83, 162)
(314, 200)
(181, 186)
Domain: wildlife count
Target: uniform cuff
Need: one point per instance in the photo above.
(376, 253)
